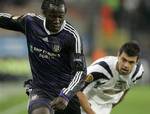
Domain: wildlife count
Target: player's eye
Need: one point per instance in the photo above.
(131, 62)
(124, 60)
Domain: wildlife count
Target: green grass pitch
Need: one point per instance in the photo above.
(14, 101)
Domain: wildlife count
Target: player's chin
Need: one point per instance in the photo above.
(55, 29)
(124, 72)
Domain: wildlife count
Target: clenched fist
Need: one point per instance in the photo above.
(59, 103)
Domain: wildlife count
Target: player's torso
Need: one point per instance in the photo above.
(49, 55)
(109, 90)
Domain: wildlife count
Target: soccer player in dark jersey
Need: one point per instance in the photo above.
(55, 55)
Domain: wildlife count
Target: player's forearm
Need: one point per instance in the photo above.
(75, 85)
(84, 103)
(77, 82)
(5, 20)
(89, 111)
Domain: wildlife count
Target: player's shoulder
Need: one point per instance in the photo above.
(103, 65)
(69, 25)
(138, 72)
(71, 30)
(33, 16)
(139, 67)
(107, 59)
(6, 15)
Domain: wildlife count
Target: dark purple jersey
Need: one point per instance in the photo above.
(56, 59)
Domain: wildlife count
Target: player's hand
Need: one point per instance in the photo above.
(90, 112)
(28, 86)
(59, 103)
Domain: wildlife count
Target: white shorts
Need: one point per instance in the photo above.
(99, 108)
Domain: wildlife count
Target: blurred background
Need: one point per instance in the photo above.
(104, 25)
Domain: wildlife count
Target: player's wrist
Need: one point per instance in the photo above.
(64, 96)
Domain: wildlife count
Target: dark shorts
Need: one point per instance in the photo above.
(39, 98)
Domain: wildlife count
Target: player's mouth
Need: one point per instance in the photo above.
(56, 25)
(55, 28)
(124, 71)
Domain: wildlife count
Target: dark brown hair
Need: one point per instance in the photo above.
(130, 48)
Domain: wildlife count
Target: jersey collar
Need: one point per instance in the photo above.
(50, 33)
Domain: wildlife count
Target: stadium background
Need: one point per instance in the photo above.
(104, 25)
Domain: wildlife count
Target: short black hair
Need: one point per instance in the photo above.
(46, 3)
(130, 48)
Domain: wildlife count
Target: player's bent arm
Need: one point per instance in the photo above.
(78, 64)
(121, 98)
(10, 22)
(84, 103)
(79, 71)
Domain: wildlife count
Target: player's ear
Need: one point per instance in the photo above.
(137, 60)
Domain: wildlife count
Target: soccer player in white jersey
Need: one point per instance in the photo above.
(109, 79)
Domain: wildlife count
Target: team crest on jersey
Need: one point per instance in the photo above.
(89, 78)
(56, 48)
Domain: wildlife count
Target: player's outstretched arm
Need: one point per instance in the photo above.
(10, 22)
(84, 103)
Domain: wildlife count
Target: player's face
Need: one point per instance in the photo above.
(54, 17)
(126, 63)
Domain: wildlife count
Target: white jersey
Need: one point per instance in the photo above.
(108, 85)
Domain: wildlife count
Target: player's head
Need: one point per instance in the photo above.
(54, 11)
(128, 56)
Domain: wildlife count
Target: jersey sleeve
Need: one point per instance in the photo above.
(138, 73)
(99, 71)
(79, 68)
(10, 22)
